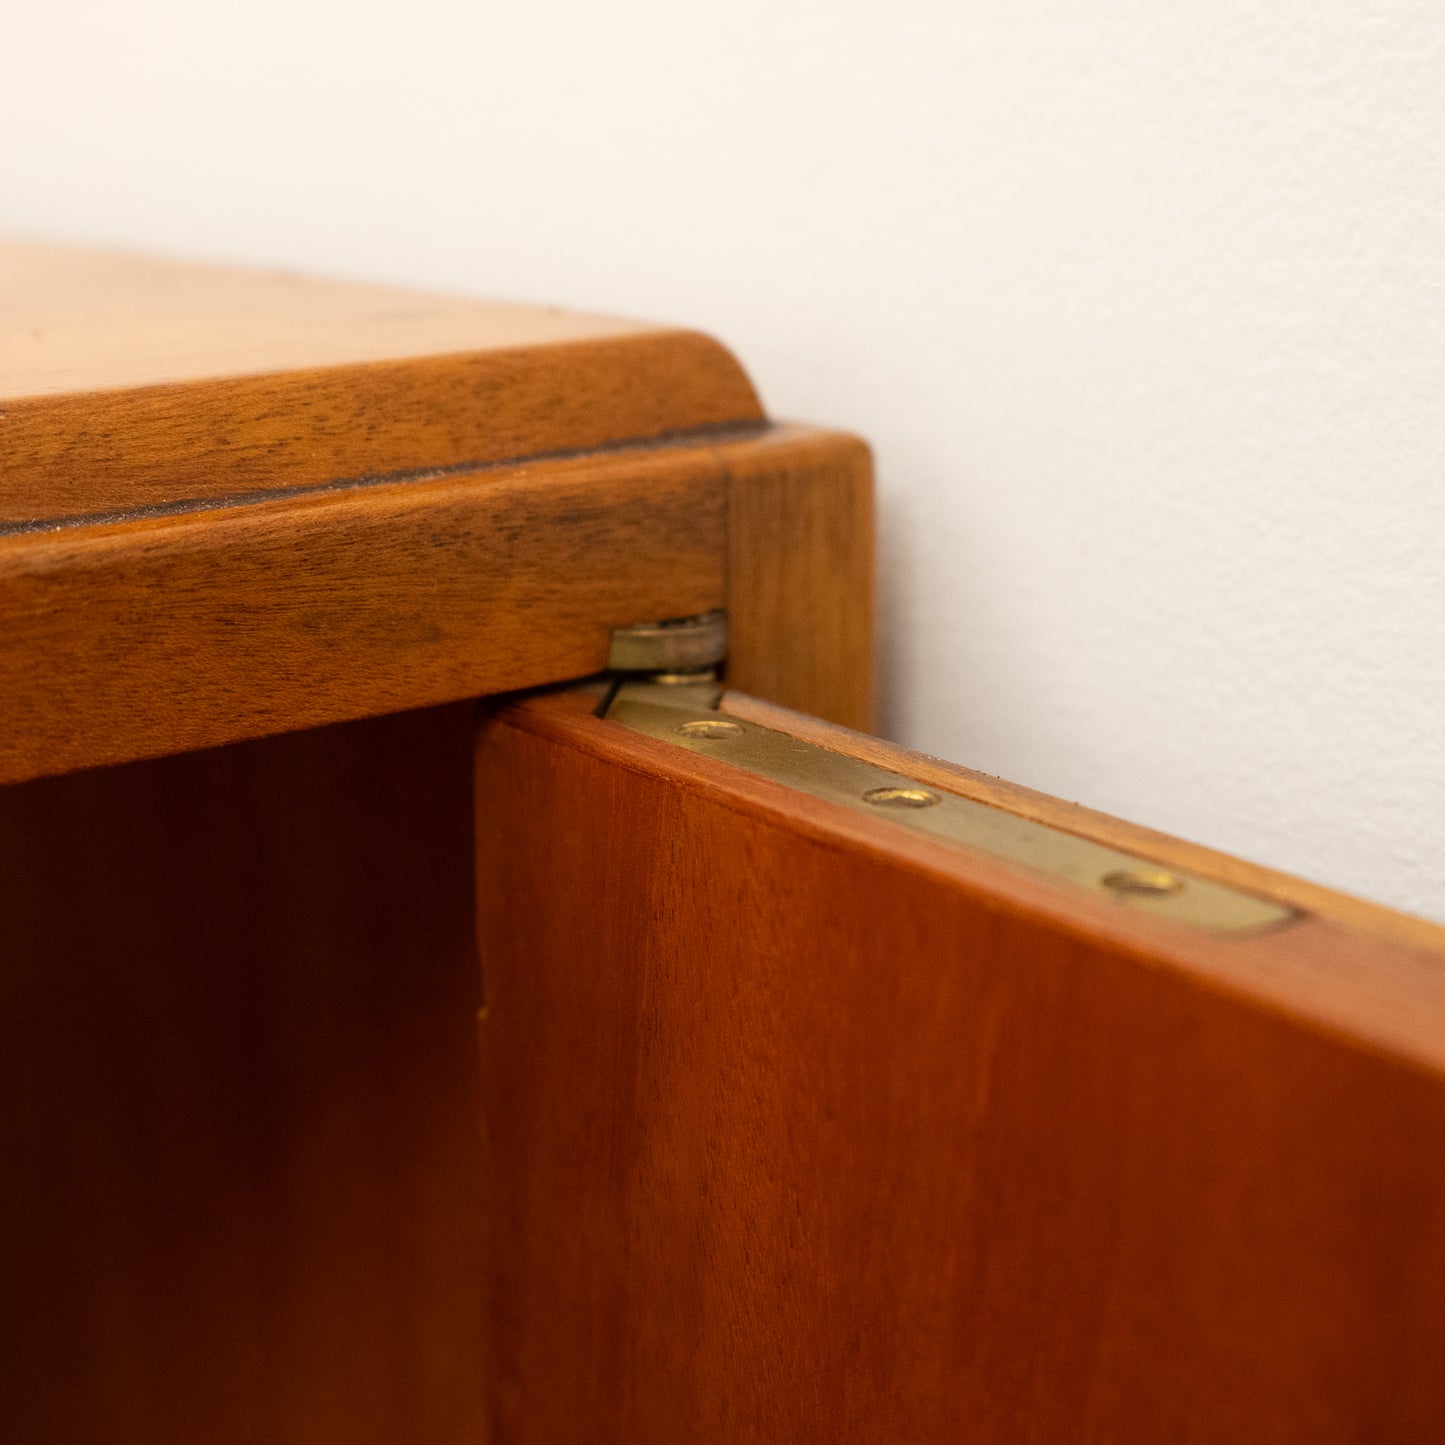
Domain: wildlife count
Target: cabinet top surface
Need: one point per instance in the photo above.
(82, 321)
(129, 383)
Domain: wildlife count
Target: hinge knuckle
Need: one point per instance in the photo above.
(683, 644)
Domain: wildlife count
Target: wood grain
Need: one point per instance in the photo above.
(238, 1096)
(130, 383)
(800, 572)
(164, 634)
(242, 503)
(805, 1127)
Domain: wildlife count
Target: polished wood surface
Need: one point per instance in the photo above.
(800, 572)
(166, 634)
(234, 504)
(80, 321)
(156, 635)
(805, 1127)
(129, 383)
(241, 1194)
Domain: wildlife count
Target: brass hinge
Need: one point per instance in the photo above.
(680, 705)
(684, 644)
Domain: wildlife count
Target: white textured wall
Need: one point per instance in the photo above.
(1140, 303)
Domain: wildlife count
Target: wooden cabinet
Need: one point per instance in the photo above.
(796, 1115)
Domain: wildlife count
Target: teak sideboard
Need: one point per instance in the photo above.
(439, 1003)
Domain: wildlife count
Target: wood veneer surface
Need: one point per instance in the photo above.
(238, 1100)
(158, 635)
(800, 571)
(234, 503)
(127, 382)
(804, 1127)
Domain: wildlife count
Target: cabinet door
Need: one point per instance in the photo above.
(837, 1094)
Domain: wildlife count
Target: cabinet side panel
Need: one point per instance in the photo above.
(238, 1096)
(800, 572)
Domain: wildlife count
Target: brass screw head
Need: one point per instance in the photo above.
(710, 728)
(683, 677)
(1143, 882)
(900, 797)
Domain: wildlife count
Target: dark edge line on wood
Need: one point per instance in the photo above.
(722, 432)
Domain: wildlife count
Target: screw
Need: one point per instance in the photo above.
(710, 728)
(900, 797)
(683, 677)
(1143, 882)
